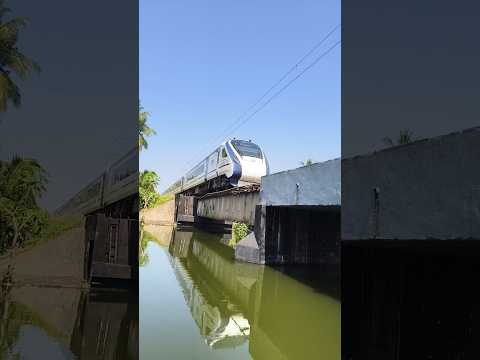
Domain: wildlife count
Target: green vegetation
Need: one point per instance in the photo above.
(145, 238)
(53, 228)
(149, 196)
(13, 316)
(11, 59)
(162, 199)
(22, 182)
(143, 129)
(306, 162)
(404, 137)
(239, 231)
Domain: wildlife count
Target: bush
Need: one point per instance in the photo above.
(239, 231)
(148, 189)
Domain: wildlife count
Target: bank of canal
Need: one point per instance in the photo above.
(196, 302)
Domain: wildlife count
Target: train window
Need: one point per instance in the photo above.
(247, 148)
(196, 172)
(224, 153)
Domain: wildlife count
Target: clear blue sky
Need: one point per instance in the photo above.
(202, 64)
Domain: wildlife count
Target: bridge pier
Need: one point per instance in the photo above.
(298, 219)
(295, 215)
(185, 208)
(293, 235)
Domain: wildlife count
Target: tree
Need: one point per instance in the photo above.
(11, 59)
(143, 129)
(22, 182)
(148, 189)
(306, 162)
(404, 137)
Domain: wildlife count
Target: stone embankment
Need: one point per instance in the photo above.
(56, 262)
(160, 215)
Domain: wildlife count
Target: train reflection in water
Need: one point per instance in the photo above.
(233, 302)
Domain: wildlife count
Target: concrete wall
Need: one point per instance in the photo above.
(231, 207)
(297, 221)
(428, 189)
(318, 184)
(160, 215)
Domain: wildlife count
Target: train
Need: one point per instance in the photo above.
(110, 206)
(107, 192)
(234, 163)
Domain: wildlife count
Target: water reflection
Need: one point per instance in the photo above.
(239, 310)
(66, 323)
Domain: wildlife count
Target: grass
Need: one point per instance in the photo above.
(54, 228)
(162, 199)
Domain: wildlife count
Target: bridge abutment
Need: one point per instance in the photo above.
(298, 219)
(410, 231)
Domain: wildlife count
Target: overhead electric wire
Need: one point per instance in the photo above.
(278, 82)
(287, 85)
(238, 122)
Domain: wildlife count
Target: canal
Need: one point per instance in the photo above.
(68, 323)
(196, 302)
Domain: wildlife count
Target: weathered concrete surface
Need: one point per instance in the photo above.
(56, 307)
(161, 215)
(229, 206)
(162, 234)
(57, 261)
(428, 189)
(297, 221)
(248, 250)
(317, 184)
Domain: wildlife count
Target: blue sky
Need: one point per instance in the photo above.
(202, 64)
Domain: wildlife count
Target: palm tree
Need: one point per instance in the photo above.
(11, 59)
(143, 129)
(22, 182)
(404, 137)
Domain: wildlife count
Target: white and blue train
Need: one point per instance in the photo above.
(233, 163)
(111, 188)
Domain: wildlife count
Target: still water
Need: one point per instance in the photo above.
(196, 302)
(65, 323)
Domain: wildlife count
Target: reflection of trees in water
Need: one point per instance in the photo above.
(159, 234)
(145, 238)
(105, 326)
(13, 316)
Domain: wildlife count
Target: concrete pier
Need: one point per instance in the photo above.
(298, 218)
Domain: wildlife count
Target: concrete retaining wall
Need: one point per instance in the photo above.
(297, 221)
(428, 189)
(317, 184)
(161, 215)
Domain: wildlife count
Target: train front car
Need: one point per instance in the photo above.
(249, 163)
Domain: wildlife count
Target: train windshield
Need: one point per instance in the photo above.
(247, 148)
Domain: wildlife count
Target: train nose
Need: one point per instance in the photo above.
(252, 169)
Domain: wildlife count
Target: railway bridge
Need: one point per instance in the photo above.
(294, 215)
